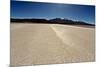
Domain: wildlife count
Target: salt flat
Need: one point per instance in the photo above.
(35, 44)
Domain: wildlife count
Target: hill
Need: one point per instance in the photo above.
(51, 21)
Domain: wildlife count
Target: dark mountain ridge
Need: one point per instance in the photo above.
(51, 21)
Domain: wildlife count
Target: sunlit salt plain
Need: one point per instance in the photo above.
(35, 44)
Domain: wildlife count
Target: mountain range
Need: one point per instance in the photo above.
(51, 21)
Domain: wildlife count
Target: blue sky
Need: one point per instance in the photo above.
(22, 9)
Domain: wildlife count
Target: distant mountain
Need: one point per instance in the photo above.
(29, 20)
(51, 21)
(59, 20)
(67, 21)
